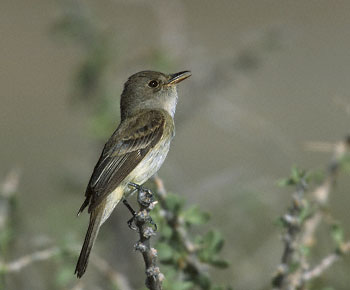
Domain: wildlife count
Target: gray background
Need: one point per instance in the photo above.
(268, 77)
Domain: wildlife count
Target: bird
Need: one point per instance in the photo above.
(135, 151)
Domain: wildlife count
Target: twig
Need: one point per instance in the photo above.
(19, 264)
(302, 234)
(291, 239)
(154, 277)
(26, 260)
(326, 263)
(321, 194)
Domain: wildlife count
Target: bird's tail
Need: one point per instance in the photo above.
(91, 234)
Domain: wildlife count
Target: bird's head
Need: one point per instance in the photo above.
(151, 90)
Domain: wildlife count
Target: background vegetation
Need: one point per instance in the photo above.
(269, 90)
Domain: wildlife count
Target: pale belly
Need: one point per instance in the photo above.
(142, 172)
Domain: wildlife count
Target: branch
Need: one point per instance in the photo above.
(300, 230)
(326, 263)
(142, 219)
(321, 194)
(19, 264)
(290, 238)
(27, 260)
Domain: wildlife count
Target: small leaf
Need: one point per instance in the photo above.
(174, 202)
(305, 250)
(211, 245)
(305, 212)
(345, 163)
(337, 233)
(315, 176)
(165, 252)
(285, 182)
(64, 276)
(195, 216)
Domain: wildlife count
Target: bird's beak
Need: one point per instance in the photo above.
(178, 77)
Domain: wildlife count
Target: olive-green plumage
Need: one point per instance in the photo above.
(135, 151)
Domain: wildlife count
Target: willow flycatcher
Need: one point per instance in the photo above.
(135, 151)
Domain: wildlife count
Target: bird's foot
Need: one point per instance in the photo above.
(144, 195)
(130, 221)
(146, 200)
(131, 224)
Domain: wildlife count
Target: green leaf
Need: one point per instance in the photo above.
(294, 178)
(305, 250)
(316, 176)
(64, 276)
(173, 282)
(305, 212)
(174, 202)
(165, 252)
(285, 182)
(211, 245)
(345, 163)
(297, 174)
(195, 216)
(337, 233)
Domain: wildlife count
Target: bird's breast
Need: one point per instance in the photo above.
(151, 163)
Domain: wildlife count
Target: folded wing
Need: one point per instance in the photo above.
(128, 145)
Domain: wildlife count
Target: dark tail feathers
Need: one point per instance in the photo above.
(91, 234)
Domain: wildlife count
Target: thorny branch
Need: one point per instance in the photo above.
(300, 233)
(142, 219)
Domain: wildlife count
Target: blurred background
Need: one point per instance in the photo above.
(268, 78)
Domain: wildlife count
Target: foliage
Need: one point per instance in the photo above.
(304, 216)
(186, 258)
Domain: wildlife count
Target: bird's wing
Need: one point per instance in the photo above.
(122, 153)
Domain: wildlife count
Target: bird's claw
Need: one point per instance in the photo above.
(145, 198)
(131, 223)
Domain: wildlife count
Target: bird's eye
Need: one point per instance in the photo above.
(153, 84)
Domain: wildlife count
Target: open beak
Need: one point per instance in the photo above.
(178, 77)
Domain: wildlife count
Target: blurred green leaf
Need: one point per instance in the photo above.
(211, 244)
(345, 163)
(165, 251)
(316, 176)
(305, 211)
(195, 216)
(64, 276)
(173, 282)
(295, 177)
(174, 203)
(337, 233)
(305, 250)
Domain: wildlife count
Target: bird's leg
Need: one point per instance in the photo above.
(130, 221)
(145, 198)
